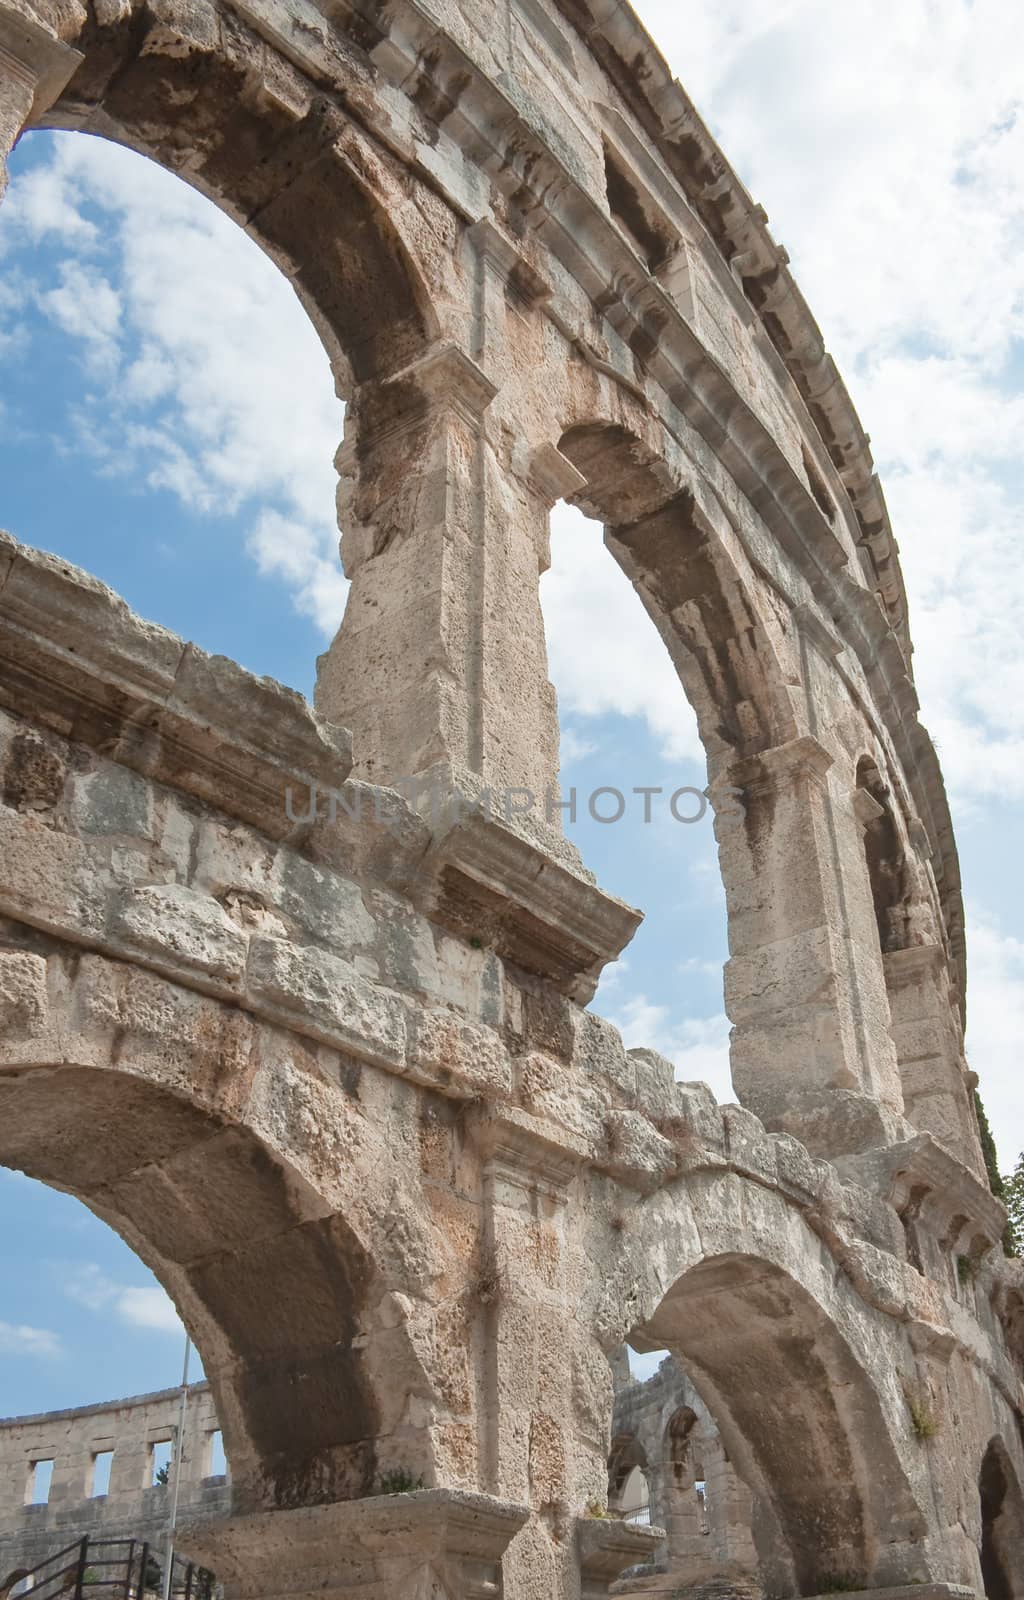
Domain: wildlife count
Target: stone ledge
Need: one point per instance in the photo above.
(33, 53)
(376, 1548)
(74, 658)
(606, 1546)
(906, 1591)
(492, 884)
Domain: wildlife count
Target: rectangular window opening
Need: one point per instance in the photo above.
(216, 1461)
(102, 1462)
(40, 1476)
(160, 1455)
(635, 215)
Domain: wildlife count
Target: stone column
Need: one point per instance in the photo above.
(412, 1546)
(439, 667)
(730, 1510)
(686, 1540)
(544, 1388)
(926, 1031)
(811, 1049)
(34, 67)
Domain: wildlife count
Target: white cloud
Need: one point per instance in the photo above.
(887, 144)
(604, 652)
(148, 1308)
(140, 1307)
(19, 1339)
(206, 377)
(286, 547)
(698, 1047)
(995, 1031)
(86, 306)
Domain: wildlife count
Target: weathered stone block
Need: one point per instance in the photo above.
(455, 1056)
(329, 907)
(112, 800)
(177, 927)
(599, 1052)
(655, 1084)
(50, 879)
(554, 1090)
(635, 1152)
(326, 998)
(23, 1001)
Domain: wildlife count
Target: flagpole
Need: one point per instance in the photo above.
(179, 1451)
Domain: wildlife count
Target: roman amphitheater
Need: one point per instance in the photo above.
(321, 1051)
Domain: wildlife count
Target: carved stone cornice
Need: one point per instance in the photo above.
(494, 884)
(449, 379)
(920, 1176)
(35, 57)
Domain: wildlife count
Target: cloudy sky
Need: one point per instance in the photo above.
(167, 420)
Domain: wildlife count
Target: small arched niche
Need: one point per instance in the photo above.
(1002, 1526)
(887, 867)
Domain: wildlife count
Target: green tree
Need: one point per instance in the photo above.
(997, 1183)
(1013, 1200)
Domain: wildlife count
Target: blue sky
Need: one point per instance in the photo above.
(168, 421)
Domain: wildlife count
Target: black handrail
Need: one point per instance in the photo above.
(134, 1572)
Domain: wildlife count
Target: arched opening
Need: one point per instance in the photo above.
(626, 729)
(686, 1499)
(272, 1284)
(715, 636)
(13, 1585)
(802, 1424)
(1002, 1526)
(199, 109)
(629, 1494)
(716, 649)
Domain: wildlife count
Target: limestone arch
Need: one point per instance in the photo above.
(800, 1419)
(1002, 1525)
(11, 1582)
(804, 1062)
(183, 88)
(276, 1285)
(800, 1372)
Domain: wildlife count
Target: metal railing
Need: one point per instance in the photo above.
(639, 1516)
(127, 1568)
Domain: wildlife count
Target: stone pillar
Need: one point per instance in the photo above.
(525, 1449)
(811, 1049)
(412, 1546)
(730, 1511)
(34, 67)
(439, 667)
(687, 1542)
(926, 1032)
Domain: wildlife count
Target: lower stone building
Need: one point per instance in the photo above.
(666, 1445)
(102, 1471)
(94, 1470)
